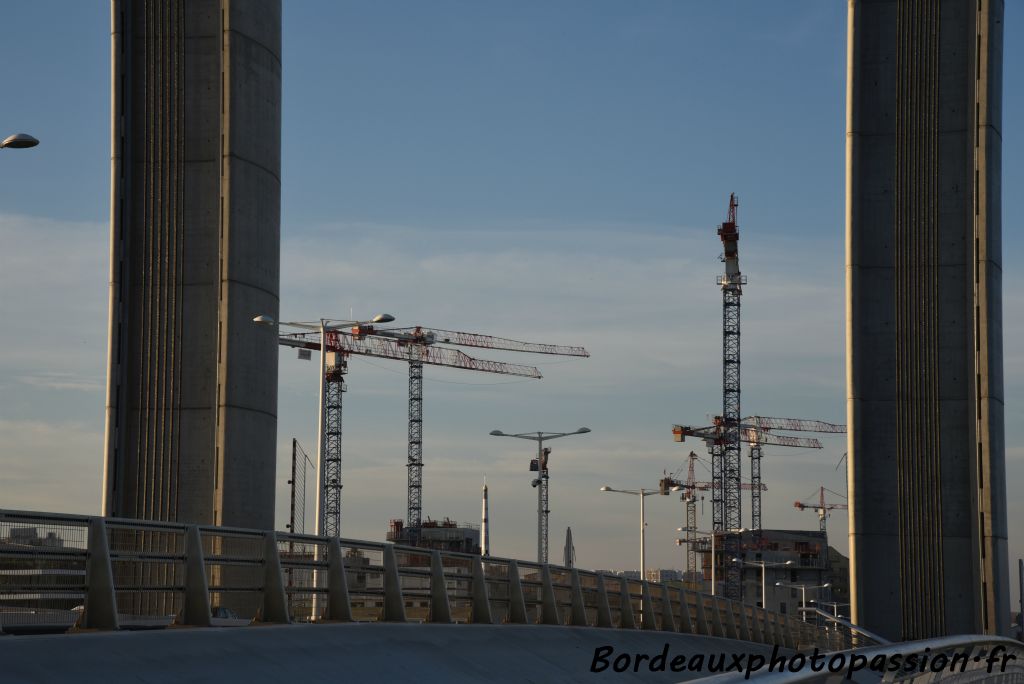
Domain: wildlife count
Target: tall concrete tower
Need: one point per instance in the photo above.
(924, 330)
(191, 418)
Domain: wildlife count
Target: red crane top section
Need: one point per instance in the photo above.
(730, 234)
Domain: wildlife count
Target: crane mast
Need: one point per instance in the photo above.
(330, 478)
(726, 452)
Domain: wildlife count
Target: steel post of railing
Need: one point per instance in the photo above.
(100, 611)
(604, 611)
(578, 613)
(668, 621)
(481, 598)
(196, 604)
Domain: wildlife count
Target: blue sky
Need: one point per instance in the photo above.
(546, 171)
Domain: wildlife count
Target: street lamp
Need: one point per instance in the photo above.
(18, 141)
(763, 565)
(803, 593)
(642, 493)
(680, 542)
(324, 326)
(541, 481)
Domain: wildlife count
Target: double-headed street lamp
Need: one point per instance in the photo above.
(762, 565)
(541, 481)
(18, 141)
(324, 326)
(642, 493)
(803, 593)
(680, 542)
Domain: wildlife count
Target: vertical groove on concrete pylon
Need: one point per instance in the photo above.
(915, 250)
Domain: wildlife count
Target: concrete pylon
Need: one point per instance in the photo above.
(926, 443)
(191, 420)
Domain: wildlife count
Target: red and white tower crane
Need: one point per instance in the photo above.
(821, 507)
(418, 346)
(689, 488)
(714, 436)
(759, 426)
(420, 342)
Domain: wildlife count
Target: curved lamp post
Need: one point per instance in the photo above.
(762, 565)
(541, 482)
(803, 593)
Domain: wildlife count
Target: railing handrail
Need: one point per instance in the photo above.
(880, 640)
(196, 562)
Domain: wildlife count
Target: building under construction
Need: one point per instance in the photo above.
(443, 535)
(792, 558)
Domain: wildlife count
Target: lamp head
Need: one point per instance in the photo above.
(606, 488)
(497, 433)
(19, 141)
(382, 318)
(583, 431)
(264, 319)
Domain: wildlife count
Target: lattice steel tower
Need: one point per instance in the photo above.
(334, 390)
(414, 514)
(728, 506)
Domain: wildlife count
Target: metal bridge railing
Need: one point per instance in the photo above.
(59, 571)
